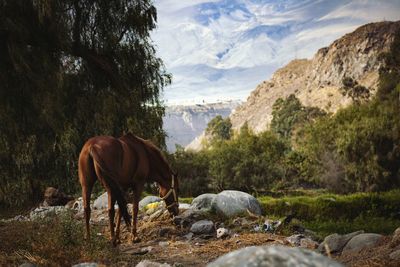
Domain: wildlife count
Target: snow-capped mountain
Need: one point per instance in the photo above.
(184, 123)
(221, 49)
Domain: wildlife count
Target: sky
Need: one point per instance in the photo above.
(220, 50)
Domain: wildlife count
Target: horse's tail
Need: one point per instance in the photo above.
(112, 184)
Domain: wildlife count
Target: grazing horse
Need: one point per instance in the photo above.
(120, 164)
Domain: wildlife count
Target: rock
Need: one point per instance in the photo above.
(43, 212)
(189, 216)
(147, 263)
(188, 236)
(78, 204)
(202, 227)
(55, 197)
(231, 203)
(336, 242)
(203, 202)
(19, 218)
(273, 256)
(294, 240)
(271, 226)
(362, 241)
(395, 255)
(101, 202)
(184, 206)
(27, 264)
(86, 264)
(147, 200)
(308, 243)
(222, 232)
(163, 244)
(395, 239)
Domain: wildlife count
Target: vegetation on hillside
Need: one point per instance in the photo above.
(70, 70)
(355, 150)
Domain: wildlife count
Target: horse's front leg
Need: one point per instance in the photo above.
(135, 210)
(118, 227)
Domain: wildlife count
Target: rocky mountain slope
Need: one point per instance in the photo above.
(316, 82)
(184, 123)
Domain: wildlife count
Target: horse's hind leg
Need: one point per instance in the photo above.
(111, 215)
(86, 192)
(118, 227)
(87, 178)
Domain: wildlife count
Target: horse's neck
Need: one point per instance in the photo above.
(159, 170)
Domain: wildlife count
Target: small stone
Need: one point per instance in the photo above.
(395, 239)
(222, 232)
(294, 240)
(184, 206)
(395, 255)
(163, 244)
(189, 236)
(27, 264)
(86, 264)
(202, 227)
(147, 263)
(308, 243)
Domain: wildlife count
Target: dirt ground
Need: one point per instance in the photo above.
(163, 242)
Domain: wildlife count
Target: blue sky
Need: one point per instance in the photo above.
(221, 50)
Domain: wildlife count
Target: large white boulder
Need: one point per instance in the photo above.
(231, 203)
(203, 202)
(273, 256)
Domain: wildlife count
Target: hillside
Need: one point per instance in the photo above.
(316, 82)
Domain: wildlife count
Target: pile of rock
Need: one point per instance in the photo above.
(352, 242)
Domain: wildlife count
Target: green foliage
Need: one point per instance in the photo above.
(247, 162)
(389, 73)
(335, 207)
(220, 128)
(192, 170)
(289, 113)
(70, 70)
(357, 149)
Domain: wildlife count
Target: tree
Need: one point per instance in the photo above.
(70, 70)
(289, 113)
(220, 128)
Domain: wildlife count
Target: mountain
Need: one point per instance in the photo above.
(221, 49)
(316, 82)
(183, 123)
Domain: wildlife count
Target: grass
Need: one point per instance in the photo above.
(326, 213)
(54, 241)
(330, 213)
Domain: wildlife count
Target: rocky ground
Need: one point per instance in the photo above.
(214, 225)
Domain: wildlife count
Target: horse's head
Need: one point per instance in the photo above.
(170, 195)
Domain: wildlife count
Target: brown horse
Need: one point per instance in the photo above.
(120, 164)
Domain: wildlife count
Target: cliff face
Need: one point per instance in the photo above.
(184, 123)
(316, 82)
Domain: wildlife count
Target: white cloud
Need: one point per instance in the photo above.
(223, 49)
